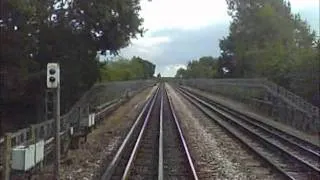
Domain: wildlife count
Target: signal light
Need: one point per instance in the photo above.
(53, 75)
(52, 79)
(52, 71)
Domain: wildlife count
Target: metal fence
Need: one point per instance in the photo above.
(276, 101)
(100, 95)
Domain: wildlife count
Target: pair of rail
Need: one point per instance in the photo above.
(150, 127)
(290, 156)
(286, 154)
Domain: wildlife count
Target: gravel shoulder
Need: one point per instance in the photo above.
(249, 111)
(86, 162)
(215, 153)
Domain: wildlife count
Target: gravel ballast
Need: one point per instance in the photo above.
(215, 153)
(87, 162)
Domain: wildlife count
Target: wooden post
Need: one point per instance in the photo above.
(7, 157)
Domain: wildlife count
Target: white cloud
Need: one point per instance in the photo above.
(309, 10)
(150, 41)
(191, 28)
(182, 14)
(179, 15)
(146, 47)
(304, 4)
(169, 70)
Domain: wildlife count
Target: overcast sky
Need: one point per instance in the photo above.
(182, 30)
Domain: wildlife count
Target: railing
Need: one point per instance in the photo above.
(45, 130)
(273, 88)
(266, 97)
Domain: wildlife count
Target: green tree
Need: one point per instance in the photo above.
(124, 69)
(205, 67)
(72, 33)
(267, 40)
(181, 73)
(148, 67)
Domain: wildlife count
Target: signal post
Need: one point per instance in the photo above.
(53, 82)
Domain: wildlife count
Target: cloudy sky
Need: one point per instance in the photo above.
(182, 30)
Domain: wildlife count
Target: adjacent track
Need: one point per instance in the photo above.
(290, 156)
(154, 147)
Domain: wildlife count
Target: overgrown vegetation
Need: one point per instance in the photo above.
(72, 33)
(125, 69)
(205, 67)
(267, 40)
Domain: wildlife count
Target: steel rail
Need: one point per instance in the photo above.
(236, 135)
(186, 149)
(312, 149)
(307, 166)
(160, 164)
(314, 153)
(137, 144)
(144, 129)
(113, 164)
(307, 146)
(315, 156)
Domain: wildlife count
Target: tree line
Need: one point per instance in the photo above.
(127, 69)
(267, 40)
(205, 67)
(72, 33)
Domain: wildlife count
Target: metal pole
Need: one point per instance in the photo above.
(6, 157)
(57, 138)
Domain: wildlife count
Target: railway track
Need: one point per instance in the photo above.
(177, 160)
(154, 147)
(290, 156)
